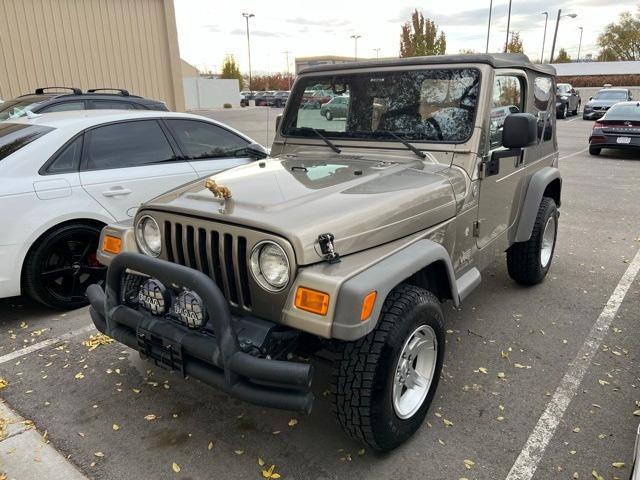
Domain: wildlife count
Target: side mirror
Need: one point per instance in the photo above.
(257, 151)
(520, 130)
(278, 120)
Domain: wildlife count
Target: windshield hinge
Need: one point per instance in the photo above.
(327, 248)
(476, 228)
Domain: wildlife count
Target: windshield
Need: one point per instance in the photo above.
(611, 95)
(14, 136)
(15, 108)
(436, 105)
(624, 111)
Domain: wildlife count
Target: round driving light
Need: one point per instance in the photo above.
(189, 308)
(148, 236)
(154, 297)
(270, 266)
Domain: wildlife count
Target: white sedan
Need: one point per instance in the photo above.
(63, 176)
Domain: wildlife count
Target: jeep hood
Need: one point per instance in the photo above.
(362, 202)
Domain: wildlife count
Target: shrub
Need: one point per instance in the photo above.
(227, 105)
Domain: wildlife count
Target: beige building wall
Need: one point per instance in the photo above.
(188, 70)
(130, 44)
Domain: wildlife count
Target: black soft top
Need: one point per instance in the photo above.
(495, 60)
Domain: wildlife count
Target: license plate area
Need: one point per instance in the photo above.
(624, 140)
(165, 353)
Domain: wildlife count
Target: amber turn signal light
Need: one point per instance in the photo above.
(312, 301)
(111, 244)
(367, 305)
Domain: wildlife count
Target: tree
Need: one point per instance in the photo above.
(420, 37)
(562, 57)
(621, 40)
(467, 51)
(230, 69)
(275, 81)
(515, 44)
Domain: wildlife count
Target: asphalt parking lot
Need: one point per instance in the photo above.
(142, 420)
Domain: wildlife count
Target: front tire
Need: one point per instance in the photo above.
(384, 382)
(563, 112)
(61, 265)
(328, 115)
(528, 262)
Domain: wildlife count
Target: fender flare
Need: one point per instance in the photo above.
(535, 191)
(383, 277)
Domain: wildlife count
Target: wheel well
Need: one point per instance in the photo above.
(434, 277)
(553, 190)
(86, 221)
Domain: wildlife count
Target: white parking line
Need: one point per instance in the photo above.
(573, 119)
(530, 456)
(45, 343)
(574, 154)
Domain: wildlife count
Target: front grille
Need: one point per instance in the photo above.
(220, 255)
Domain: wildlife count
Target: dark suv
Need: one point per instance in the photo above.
(51, 99)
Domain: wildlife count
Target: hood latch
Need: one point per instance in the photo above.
(327, 248)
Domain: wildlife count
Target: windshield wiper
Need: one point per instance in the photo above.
(415, 150)
(324, 139)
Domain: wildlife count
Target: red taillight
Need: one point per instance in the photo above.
(597, 125)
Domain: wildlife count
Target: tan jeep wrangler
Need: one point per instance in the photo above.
(347, 238)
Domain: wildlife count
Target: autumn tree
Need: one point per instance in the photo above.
(515, 44)
(420, 37)
(621, 40)
(274, 81)
(562, 57)
(230, 69)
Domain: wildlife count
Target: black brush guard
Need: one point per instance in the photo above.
(216, 360)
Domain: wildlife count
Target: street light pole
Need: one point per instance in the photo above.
(355, 38)
(580, 44)
(377, 50)
(544, 35)
(247, 16)
(555, 35)
(489, 25)
(287, 52)
(508, 25)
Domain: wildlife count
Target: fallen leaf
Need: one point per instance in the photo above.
(210, 446)
(637, 413)
(361, 452)
(596, 475)
(94, 341)
(99, 454)
(79, 375)
(260, 462)
(617, 464)
(576, 430)
(469, 464)
(175, 467)
(3, 383)
(150, 417)
(116, 427)
(448, 423)
(519, 365)
(501, 375)
(603, 382)
(482, 370)
(293, 422)
(238, 452)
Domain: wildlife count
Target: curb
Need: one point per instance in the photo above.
(26, 455)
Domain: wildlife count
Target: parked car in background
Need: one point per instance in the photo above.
(619, 128)
(261, 98)
(317, 98)
(279, 99)
(66, 175)
(51, 99)
(598, 105)
(567, 100)
(337, 107)
(245, 97)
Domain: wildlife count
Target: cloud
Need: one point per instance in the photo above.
(319, 22)
(211, 28)
(257, 33)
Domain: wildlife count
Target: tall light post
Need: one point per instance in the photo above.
(287, 52)
(355, 39)
(580, 44)
(377, 50)
(247, 16)
(489, 25)
(544, 35)
(555, 35)
(508, 25)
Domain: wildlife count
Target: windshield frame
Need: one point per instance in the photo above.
(298, 93)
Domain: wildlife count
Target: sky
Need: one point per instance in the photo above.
(210, 29)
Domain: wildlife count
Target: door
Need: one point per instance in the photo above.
(208, 147)
(500, 193)
(127, 163)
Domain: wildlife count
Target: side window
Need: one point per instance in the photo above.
(63, 107)
(544, 107)
(507, 98)
(110, 105)
(127, 144)
(205, 140)
(68, 159)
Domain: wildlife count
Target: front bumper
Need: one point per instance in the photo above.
(593, 114)
(217, 358)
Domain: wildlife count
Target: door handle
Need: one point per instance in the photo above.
(114, 192)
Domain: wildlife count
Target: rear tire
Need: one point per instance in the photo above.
(563, 112)
(594, 151)
(371, 379)
(328, 115)
(62, 264)
(528, 262)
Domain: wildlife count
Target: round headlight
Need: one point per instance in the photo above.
(148, 236)
(270, 266)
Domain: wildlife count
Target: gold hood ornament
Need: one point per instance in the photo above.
(219, 191)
